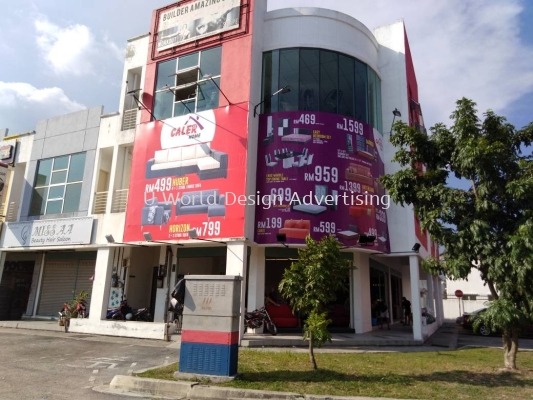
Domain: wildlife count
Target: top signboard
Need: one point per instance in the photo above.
(196, 20)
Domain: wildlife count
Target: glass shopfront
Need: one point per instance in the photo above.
(321, 80)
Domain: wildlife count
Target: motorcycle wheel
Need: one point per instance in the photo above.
(271, 328)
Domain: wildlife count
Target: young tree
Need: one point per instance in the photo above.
(488, 226)
(311, 283)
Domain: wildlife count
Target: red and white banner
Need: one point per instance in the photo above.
(188, 173)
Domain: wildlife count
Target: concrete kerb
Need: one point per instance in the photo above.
(139, 387)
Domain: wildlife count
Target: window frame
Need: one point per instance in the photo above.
(47, 199)
(192, 100)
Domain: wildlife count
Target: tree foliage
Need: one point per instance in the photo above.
(488, 226)
(312, 282)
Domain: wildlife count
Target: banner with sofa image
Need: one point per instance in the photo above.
(182, 168)
(323, 170)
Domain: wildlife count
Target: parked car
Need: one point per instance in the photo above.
(468, 319)
(467, 322)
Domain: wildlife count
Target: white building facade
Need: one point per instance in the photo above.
(219, 105)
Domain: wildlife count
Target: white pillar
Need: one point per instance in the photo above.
(161, 292)
(415, 297)
(101, 284)
(35, 279)
(437, 287)
(389, 280)
(2, 263)
(256, 279)
(39, 285)
(361, 307)
(431, 294)
(236, 260)
(112, 179)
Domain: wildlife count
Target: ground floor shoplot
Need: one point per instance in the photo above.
(40, 282)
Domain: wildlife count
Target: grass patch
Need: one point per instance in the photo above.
(461, 374)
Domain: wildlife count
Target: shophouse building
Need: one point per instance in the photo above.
(240, 132)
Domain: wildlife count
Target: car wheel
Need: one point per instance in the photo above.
(484, 330)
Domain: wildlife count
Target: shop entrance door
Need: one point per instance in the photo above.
(16, 280)
(396, 289)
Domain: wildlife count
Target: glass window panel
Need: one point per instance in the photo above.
(72, 198)
(329, 81)
(210, 61)
(309, 79)
(56, 192)
(188, 61)
(60, 163)
(372, 112)
(77, 167)
(38, 201)
(346, 85)
(267, 81)
(165, 74)
(163, 103)
(43, 172)
(378, 105)
(54, 207)
(289, 61)
(208, 95)
(180, 108)
(361, 97)
(58, 177)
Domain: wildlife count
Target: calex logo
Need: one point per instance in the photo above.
(191, 127)
(188, 130)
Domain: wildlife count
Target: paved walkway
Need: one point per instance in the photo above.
(398, 336)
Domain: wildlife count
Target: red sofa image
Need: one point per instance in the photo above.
(362, 211)
(296, 229)
(283, 316)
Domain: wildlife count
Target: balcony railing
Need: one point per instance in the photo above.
(129, 119)
(100, 202)
(120, 201)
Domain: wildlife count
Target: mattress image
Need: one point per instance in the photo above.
(296, 137)
(347, 234)
(310, 209)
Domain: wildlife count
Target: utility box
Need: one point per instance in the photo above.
(210, 329)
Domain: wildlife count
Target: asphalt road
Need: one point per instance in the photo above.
(467, 339)
(48, 365)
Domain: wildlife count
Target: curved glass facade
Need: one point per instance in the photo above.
(321, 80)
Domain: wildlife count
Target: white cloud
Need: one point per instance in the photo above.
(22, 105)
(74, 49)
(459, 48)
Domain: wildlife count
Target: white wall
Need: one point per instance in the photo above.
(451, 307)
(473, 284)
(320, 28)
(139, 288)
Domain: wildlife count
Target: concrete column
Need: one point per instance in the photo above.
(439, 306)
(431, 294)
(32, 299)
(101, 284)
(39, 281)
(161, 293)
(415, 297)
(236, 259)
(361, 307)
(2, 262)
(112, 179)
(389, 279)
(256, 282)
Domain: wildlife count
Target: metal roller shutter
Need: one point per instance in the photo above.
(83, 281)
(60, 280)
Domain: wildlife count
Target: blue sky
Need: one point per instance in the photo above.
(59, 56)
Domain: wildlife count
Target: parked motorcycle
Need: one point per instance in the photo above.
(255, 319)
(125, 313)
